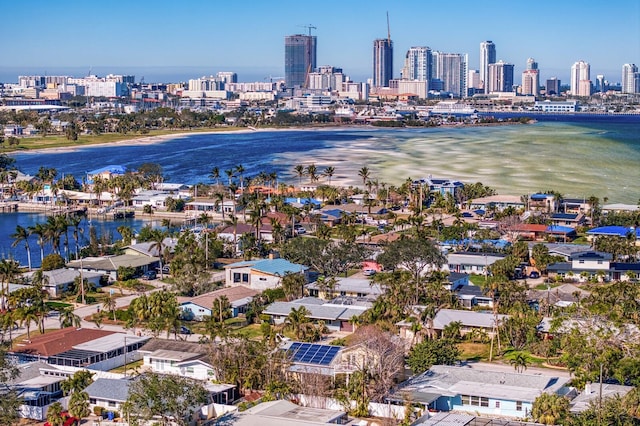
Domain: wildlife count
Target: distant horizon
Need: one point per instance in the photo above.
(162, 41)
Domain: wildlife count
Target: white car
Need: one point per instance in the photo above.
(369, 272)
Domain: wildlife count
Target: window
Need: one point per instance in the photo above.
(262, 279)
(245, 278)
(518, 405)
(111, 403)
(581, 261)
(92, 401)
(189, 369)
(497, 404)
(236, 277)
(477, 401)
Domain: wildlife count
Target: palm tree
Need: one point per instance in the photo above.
(300, 170)
(75, 221)
(233, 221)
(8, 323)
(22, 234)
(312, 172)
(109, 304)
(62, 223)
(79, 404)
(296, 320)
(54, 414)
(240, 170)
(157, 243)
(39, 230)
(329, 171)
(53, 232)
(9, 269)
(229, 173)
(520, 362)
(219, 197)
(364, 173)
(215, 174)
(26, 315)
(68, 318)
(126, 233)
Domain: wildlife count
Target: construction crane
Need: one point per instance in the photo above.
(309, 27)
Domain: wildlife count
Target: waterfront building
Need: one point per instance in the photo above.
(531, 79)
(417, 64)
(552, 87)
(227, 77)
(499, 78)
(419, 88)
(451, 70)
(382, 62)
(299, 59)
(474, 84)
(487, 56)
(563, 106)
(630, 79)
(580, 79)
(327, 78)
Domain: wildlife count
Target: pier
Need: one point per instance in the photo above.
(8, 207)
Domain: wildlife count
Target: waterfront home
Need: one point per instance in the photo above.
(58, 281)
(496, 202)
(261, 274)
(572, 220)
(108, 265)
(207, 205)
(150, 249)
(106, 172)
(543, 202)
(615, 231)
(199, 307)
(494, 392)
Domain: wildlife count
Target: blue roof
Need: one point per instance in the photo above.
(557, 229)
(279, 267)
(540, 196)
(564, 216)
(311, 353)
(620, 231)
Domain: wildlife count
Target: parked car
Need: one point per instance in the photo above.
(149, 275)
(369, 272)
(534, 274)
(165, 269)
(185, 330)
(300, 230)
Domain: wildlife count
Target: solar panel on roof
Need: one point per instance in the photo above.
(310, 353)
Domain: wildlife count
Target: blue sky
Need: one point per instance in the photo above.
(192, 37)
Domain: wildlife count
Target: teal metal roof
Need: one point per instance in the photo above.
(279, 267)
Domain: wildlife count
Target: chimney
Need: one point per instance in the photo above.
(587, 388)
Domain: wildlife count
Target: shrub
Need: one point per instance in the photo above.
(98, 411)
(52, 261)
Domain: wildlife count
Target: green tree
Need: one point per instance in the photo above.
(172, 398)
(77, 382)
(297, 320)
(54, 414)
(550, 409)
(432, 352)
(520, 362)
(79, 404)
(52, 261)
(293, 285)
(68, 318)
(22, 235)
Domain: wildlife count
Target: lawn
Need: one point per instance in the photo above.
(60, 141)
(58, 306)
(471, 351)
(478, 280)
(130, 367)
(251, 331)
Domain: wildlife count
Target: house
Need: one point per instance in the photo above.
(105, 173)
(109, 394)
(575, 205)
(199, 307)
(79, 347)
(198, 206)
(261, 274)
(496, 203)
(351, 287)
(336, 314)
(572, 220)
(472, 262)
(471, 296)
(478, 390)
(542, 202)
(108, 265)
(154, 198)
(593, 265)
(614, 231)
(232, 234)
(58, 281)
(484, 321)
(593, 392)
(38, 385)
(150, 249)
(283, 413)
(185, 359)
(561, 296)
(314, 358)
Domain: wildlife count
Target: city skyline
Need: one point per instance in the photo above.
(247, 37)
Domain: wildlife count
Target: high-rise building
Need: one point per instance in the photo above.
(630, 79)
(601, 86)
(531, 79)
(228, 77)
(487, 56)
(327, 78)
(299, 59)
(382, 62)
(580, 79)
(417, 64)
(473, 82)
(499, 78)
(450, 69)
(552, 87)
